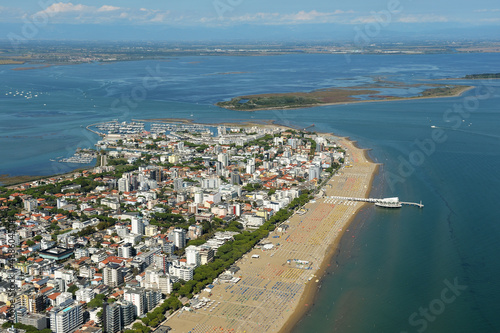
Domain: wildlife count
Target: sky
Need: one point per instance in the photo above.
(202, 19)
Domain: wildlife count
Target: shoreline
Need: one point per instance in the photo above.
(9, 181)
(273, 295)
(310, 293)
(397, 99)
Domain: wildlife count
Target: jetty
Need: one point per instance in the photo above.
(385, 202)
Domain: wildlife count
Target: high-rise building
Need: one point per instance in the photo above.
(126, 251)
(235, 178)
(123, 185)
(161, 262)
(127, 311)
(165, 284)
(142, 299)
(224, 159)
(178, 184)
(206, 254)
(193, 256)
(66, 319)
(137, 297)
(168, 247)
(314, 172)
(250, 168)
(112, 319)
(137, 226)
(179, 238)
(112, 275)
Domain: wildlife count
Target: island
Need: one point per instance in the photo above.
(332, 96)
(482, 76)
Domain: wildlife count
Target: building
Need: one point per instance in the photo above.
(56, 253)
(168, 247)
(206, 254)
(126, 251)
(195, 231)
(127, 311)
(161, 262)
(112, 319)
(151, 230)
(153, 298)
(193, 256)
(179, 238)
(235, 178)
(178, 184)
(34, 302)
(165, 284)
(85, 295)
(37, 320)
(112, 275)
(137, 297)
(182, 272)
(30, 204)
(66, 319)
(224, 159)
(314, 172)
(137, 226)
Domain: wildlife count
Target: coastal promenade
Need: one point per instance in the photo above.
(276, 288)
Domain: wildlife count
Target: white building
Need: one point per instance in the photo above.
(137, 226)
(66, 319)
(84, 295)
(179, 238)
(193, 256)
(151, 230)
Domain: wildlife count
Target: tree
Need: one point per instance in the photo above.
(73, 289)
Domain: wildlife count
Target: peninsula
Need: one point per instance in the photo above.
(332, 96)
(230, 226)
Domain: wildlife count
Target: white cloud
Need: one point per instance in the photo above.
(62, 7)
(107, 8)
(78, 13)
(300, 17)
(430, 18)
(487, 10)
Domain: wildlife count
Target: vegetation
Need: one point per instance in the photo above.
(259, 102)
(228, 253)
(27, 328)
(97, 301)
(483, 76)
(442, 91)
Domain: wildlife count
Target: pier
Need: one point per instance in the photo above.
(392, 202)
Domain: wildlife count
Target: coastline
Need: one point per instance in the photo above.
(396, 99)
(272, 295)
(311, 291)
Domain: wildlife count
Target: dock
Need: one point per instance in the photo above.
(394, 200)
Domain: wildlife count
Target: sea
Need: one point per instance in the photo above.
(435, 269)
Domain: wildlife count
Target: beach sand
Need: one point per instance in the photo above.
(275, 291)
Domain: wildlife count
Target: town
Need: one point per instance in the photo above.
(162, 218)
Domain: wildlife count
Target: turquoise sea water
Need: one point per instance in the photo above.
(394, 275)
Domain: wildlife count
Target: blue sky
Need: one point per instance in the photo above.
(226, 14)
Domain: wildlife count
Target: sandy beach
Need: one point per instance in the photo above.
(277, 288)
